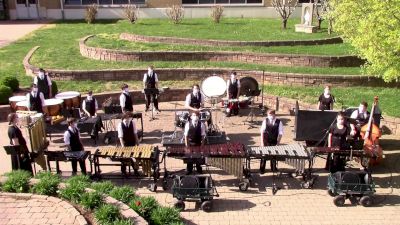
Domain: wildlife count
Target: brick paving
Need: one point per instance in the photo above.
(290, 205)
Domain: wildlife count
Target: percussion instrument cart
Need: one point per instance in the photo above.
(189, 187)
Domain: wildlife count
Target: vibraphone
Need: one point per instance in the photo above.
(229, 156)
(146, 156)
(58, 156)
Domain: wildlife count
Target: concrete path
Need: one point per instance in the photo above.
(11, 31)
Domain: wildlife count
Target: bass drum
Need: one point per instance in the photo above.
(249, 87)
(213, 87)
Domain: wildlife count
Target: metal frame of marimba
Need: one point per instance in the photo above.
(146, 155)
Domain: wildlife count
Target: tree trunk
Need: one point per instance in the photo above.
(284, 23)
(330, 29)
(319, 23)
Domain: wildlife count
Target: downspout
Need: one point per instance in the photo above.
(62, 9)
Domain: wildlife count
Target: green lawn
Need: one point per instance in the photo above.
(348, 96)
(112, 41)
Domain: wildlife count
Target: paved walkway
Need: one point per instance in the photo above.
(33, 211)
(11, 31)
(290, 205)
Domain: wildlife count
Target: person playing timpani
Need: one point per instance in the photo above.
(326, 99)
(72, 139)
(35, 100)
(90, 105)
(125, 99)
(337, 138)
(195, 100)
(16, 138)
(271, 134)
(150, 81)
(195, 132)
(43, 83)
(232, 92)
(127, 134)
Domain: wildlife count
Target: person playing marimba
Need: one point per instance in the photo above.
(271, 134)
(195, 132)
(337, 138)
(16, 139)
(72, 140)
(326, 99)
(35, 100)
(125, 99)
(90, 105)
(232, 92)
(127, 134)
(43, 83)
(195, 100)
(150, 81)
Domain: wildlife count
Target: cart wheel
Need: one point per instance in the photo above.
(339, 200)
(152, 187)
(331, 193)
(180, 205)
(305, 185)
(243, 186)
(206, 206)
(366, 201)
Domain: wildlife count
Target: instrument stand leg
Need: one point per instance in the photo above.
(250, 118)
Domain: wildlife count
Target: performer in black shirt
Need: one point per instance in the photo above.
(125, 99)
(194, 133)
(127, 134)
(43, 82)
(72, 140)
(150, 80)
(326, 99)
(337, 138)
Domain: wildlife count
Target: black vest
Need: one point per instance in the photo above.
(151, 81)
(195, 101)
(128, 102)
(271, 132)
(74, 140)
(360, 118)
(90, 106)
(128, 134)
(36, 103)
(43, 86)
(194, 133)
(233, 88)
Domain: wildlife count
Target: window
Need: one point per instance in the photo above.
(103, 2)
(210, 2)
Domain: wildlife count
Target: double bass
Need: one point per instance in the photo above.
(371, 133)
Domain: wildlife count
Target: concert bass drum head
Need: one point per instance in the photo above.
(249, 87)
(213, 87)
(67, 95)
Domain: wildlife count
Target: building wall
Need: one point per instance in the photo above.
(162, 3)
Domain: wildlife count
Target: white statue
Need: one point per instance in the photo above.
(307, 18)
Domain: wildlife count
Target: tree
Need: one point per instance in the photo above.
(320, 9)
(285, 8)
(373, 28)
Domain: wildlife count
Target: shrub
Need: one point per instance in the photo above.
(84, 179)
(122, 222)
(165, 215)
(54, 88)
(91, 200)
(5, 94)
(175, 13)
(144, 206)
(91, 12)
(18, 181)
(131, 13)
(11, 82)
(48, 184)
(75, 188)
(107, 214)
(104, 187)
(124, 194)
(216, 13)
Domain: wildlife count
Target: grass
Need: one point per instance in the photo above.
(59, 45)
(346, 96)
(112, 41)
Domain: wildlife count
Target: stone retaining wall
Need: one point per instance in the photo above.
(190, 41)
(255, 58)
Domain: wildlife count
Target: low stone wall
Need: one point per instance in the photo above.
(255, 58)
(191, 41)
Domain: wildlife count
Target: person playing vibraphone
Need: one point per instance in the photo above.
(127, 134)
(35, 100)
(150, 80)
(195, 132)
(72, 140)
(195, 100)
(337, 138)
(125, 99)
(232, 92)
(326, 99)
(16, 138)
(271, 134)
(43, 82)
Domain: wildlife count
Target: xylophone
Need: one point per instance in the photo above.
(145, 155)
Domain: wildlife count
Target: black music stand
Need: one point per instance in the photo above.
(151, 92)
(16, 150)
